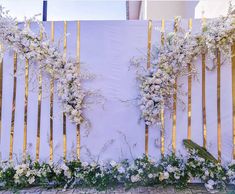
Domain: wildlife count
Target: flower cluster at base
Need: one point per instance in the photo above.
(38, 48)
(170, 170)
(175, 58)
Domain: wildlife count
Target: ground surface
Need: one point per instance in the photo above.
(193, 189)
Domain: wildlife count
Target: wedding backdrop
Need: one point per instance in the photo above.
(105, 49)
(158, 97)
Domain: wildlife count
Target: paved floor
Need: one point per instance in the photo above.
(193, 189)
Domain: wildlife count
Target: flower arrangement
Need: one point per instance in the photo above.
(171, 61)
(37, 48)
(170, 170)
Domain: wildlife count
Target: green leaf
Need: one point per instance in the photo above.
(201, 151)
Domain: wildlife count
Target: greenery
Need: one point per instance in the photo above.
(201, 151)
(170, 170)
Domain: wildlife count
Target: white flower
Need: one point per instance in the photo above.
(28, 173)
(206, 173)
(166, 175)
(121, 170)
(31, 180)
(210, 184)
(230, 172)
(93, 164)
(201, 159)
(150, 175)
(177, 176)
(140, 171)
(68, 174)
(158, 81)
(163, 176)
(85, 164)
(113, 163)
(135, 178)
(170, 168)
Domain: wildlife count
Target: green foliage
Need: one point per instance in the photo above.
(201, 151)
(170, 170)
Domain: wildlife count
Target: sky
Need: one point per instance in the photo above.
(68, 9)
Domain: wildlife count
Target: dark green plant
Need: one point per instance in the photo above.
(201, 151)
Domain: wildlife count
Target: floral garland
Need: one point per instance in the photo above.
(171, 61)
(35, 48)
(171, 170)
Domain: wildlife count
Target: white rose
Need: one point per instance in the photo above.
(135, 178)
(166, 175)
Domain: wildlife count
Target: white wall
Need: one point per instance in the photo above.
(212, 9)
(186, 9)
(168, 9)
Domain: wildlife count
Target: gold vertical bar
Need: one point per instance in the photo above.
(233, 95)
(78, 61)
(26, 105)
(190, 25)
(64, 115)
(204, 98)
(39, 114)
(51, 98)
(78, 142)
(204, 94)
(218, 106)
(13, 108)
(1, 84)
(148, 66)
(162, 132)
(39, 110)
(175, 101)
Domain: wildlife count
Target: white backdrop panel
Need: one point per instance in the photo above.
(116, 131)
